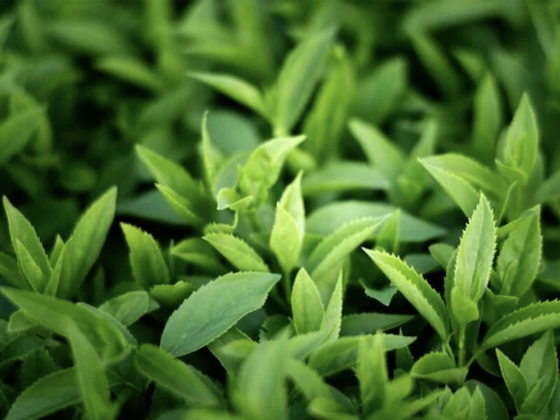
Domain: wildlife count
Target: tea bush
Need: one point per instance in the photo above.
(259, 209)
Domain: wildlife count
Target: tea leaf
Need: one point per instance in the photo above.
(237, 89)
(298, 77)
(17, 131)
(332, 318)
(93, 383)
(344, 176)
(513, 377)
(130, 307)
(85, 244)
(476, 252)
(439, 367)
(146, 259)
(371, 370)
(210, 311)
(29, 250)
(380, 152)
(487, 118)
(307, 306)
(370, 323)
(237, 252)
(175, 376)
(415, 288)
(133, 71)
(520, 257)
(260, 391)
(531, 319)
(287, 233)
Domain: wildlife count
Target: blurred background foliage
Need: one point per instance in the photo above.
(83, 82)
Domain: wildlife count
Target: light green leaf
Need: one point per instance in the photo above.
(388, 237)
(370, 323)
(130, 307)
(476, 252)
(307, 380)
(219, 348)
(198, 252)
(55, 313)
(298, 77)
(513, 377)
(17, 131)
(438, 367)
(488, 118)
(93, 383)
(173, 176)
(132, 70)
(379, 150)
(338, 245)
(260, 391)
(344, 176)
(182, 207)
(336, 356)
(264, 166)
(48, 395)
(307, 306)
(388, 80)
(175, 376)
(237, 89)
(442, 253)
(522, 140)
(213, 309)
(459, 189)
(520, 257)
(237, 252)
(287, 234)
(146, 259)
(85, 244)
(10, 271)
(32, 258)
(529, 320)
(371, 370)
(211, 157)
(326, 121)
(330, 217)
(415, 289)
(332, 319)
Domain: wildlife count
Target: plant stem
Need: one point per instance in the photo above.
(462, 353)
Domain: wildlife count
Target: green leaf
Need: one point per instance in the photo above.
(173, 176)
(307, 306)
(85, 244)
(438, 367)
(488, 119)
(240, 254)
(48, 395)
(437, 63)
(476, 252)
(326, 121)
(200, 253)
(211, 157)
(332, 319)
(10, 271)
(379, 150)
(332, 216)
(332, 250)
(146, 259)
(388, 236)
(388, 80)
(415, 289)
(237, 89)
(55, 313)
(539, 366)
(442, 253)
(213, 309)
(130, 307)
(17, 131)
(371, 370)
(132, 70)
(287, 234)
(264, 166)
(336, 356)
(513, 377)
(28, 248)
(307, 380)
(537, 317)
(260, 391)
(175, 376)
(520, 257)
(344, 176)
(298, 77)
(186, 210)
(522, 141)
(93, 383)
(370, 323)
(219, 348)
(458, 188)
